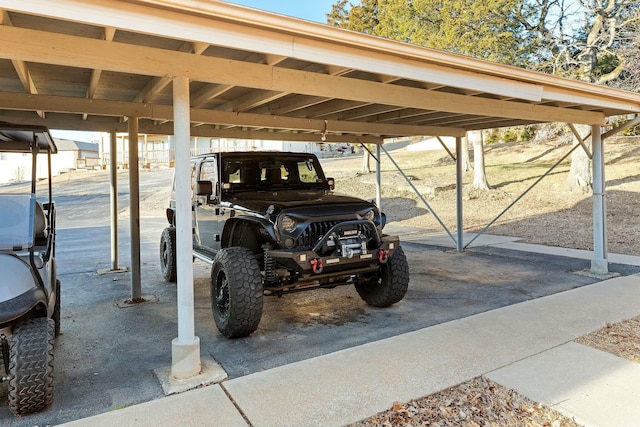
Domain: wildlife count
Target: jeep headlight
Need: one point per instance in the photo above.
(370, 215)
(287, 223)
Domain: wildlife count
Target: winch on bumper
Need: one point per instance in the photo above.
(344, 249)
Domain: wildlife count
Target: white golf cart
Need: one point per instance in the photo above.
(29, 289)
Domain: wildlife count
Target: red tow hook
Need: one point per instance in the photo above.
(317, 265)
(383, 256)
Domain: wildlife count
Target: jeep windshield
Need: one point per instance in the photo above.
(272, 171)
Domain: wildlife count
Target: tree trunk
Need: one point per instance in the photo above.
(366, 161)
(479, 174)
(466, 163)
(580, 172)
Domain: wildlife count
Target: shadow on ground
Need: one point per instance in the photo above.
(108, 351)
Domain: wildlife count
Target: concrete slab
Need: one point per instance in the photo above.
(353, 384)
(208, 406)
(593, 387)
(441, 238)
(571, 253)
(211, 372)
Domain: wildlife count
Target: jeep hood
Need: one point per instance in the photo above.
(301, 201)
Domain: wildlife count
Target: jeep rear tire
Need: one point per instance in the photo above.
(168, 263)
(236, 292)
(391, 284)
(31, 366)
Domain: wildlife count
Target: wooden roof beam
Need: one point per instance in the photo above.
(20, 66)
(157, 84)
(62, 49)
(62, 104)
(108, 34)
(208, 93)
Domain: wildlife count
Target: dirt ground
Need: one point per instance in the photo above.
(549, 214)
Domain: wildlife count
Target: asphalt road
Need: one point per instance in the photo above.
(108, 350)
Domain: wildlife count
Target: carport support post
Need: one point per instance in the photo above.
(378, 180)
(185, 350)
(599, 263)
(113, 175)
(134, 210)
(460, 222)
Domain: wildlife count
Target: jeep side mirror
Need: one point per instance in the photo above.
(332, 183)
(204, 188)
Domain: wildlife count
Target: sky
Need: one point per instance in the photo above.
(311, 10)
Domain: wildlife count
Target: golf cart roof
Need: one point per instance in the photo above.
(19, 138)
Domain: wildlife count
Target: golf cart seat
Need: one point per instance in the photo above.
(40, 225)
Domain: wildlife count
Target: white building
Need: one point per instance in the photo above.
(16, 167)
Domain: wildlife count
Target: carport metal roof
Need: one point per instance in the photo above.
(86, 65)
(207, 68)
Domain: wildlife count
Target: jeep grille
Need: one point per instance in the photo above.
(316, 230)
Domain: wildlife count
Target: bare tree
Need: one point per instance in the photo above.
(580, 172)
(466, 163)
(366, 160)
(589, 40)
(479, 174)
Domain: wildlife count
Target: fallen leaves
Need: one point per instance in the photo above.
(483, 403)
(621, 339)
(476, 403)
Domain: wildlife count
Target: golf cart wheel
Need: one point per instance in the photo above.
(31, 366)
(56, 309)
(236, 292)
(168, 263)
(391, 284)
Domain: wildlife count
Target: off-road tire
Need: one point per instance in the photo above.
(168, 262)
(31, 366)
(56, 309)
(236, 292)
(391, 284)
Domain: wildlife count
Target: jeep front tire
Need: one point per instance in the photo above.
(391, 284)
(236, 292)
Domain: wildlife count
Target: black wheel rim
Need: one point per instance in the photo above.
(222, 295)
(165, 253)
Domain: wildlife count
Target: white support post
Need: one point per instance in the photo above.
(460, 222)
(599, 263)
(378, 178)
(185, 349)
(113, 193)
(134, 211)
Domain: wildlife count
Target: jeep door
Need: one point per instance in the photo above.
(208, 207)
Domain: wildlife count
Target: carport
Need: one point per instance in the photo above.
(211, 69)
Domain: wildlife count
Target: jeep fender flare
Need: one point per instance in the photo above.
(171, 216)
(262, 229)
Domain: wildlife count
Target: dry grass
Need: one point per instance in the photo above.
(549, 214)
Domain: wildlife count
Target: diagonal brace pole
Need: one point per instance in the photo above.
(522, 195)
(418, 193)
(581, 140)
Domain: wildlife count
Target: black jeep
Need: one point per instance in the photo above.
(269, 224)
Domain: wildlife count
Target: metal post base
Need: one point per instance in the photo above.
(599, 266)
